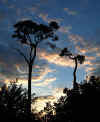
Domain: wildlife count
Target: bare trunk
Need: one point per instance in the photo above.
(74, 74)
(29, 88)
(32, 59)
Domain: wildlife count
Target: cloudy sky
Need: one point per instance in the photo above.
(79, 31)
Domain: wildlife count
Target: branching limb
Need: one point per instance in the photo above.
(29, 39)
(33, 58)
(22, 54)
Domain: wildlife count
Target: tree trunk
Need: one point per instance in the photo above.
(29, 88)
(32, 59)
(74, 74)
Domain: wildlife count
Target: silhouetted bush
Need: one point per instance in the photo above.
(80, 105)
(13, 103)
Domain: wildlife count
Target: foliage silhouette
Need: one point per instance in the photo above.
(32, 34)
(14, 102)
(50, 111)
(80, 106)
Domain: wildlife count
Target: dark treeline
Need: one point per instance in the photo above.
(78, 105)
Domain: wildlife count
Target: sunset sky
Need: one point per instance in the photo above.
(79, 31)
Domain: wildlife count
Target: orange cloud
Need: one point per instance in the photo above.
(58, 92)
(81, 50)
(41, 101)
(98, 54)
(90, 58)
(56, 59)
(38, 78)
(46, 82)
(88, 69)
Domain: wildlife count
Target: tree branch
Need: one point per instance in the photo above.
(22, 54)
(31, 49)
(29, 38)
(33, 58)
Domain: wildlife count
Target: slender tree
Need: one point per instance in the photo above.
(31, 34)
(76, 58)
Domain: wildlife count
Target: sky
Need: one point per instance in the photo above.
(79, 31)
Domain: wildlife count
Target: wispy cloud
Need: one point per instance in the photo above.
(46, 82)
(65, 29)
(89, 49)
(70, 12)
(38, 76)
(83, 44)
(43, 83)
(77, 39)
(62, 29)
(48, 19)
(55, 59)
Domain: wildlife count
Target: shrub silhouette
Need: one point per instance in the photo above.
(14, 102)
(80, 106)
